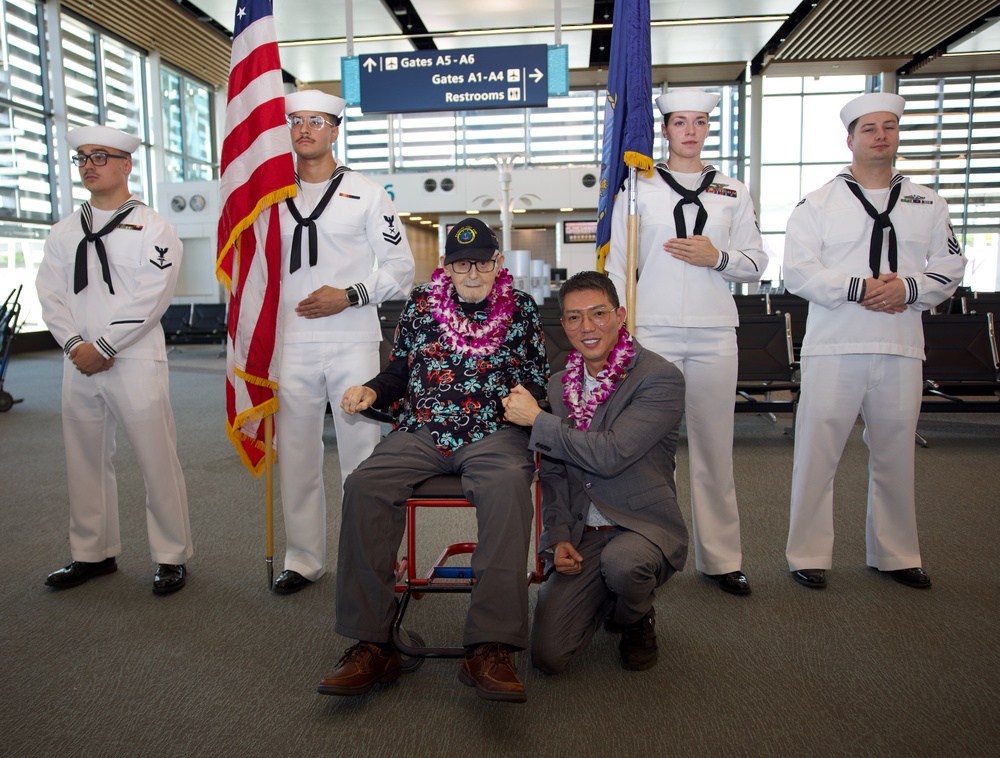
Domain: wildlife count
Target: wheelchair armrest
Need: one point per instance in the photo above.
(375, 414)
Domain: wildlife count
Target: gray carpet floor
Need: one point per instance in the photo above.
(226, 668)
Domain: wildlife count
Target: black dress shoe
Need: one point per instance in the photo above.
(169, 577)
(289, 581)
(812, 578)
(911, 577)
(79, 572)
(735, 582)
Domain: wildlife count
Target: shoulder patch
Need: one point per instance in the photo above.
(161, 258)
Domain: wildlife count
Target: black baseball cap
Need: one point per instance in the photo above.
(470, 240)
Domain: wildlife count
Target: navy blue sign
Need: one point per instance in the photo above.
(454, 80)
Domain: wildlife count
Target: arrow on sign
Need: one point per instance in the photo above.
(537, 75)
(370, 64)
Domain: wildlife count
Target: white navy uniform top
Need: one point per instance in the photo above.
(361, 243)
(827, 259)
(144, 256)
(671, 292)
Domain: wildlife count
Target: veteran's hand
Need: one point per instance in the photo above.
(356, 399)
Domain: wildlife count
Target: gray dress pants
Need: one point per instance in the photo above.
(496, 476)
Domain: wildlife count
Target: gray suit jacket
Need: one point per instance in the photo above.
(624, 462)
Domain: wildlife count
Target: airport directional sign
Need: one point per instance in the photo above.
(452, 80)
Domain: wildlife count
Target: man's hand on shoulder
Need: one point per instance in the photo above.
(357, 399)
(326, 301)
(520, 407)
(565, 559)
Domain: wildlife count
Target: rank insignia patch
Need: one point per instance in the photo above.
(161, 258)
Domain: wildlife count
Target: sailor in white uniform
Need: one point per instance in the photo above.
(870, 250)
(698, 234)
(107, 276)
(343, 251)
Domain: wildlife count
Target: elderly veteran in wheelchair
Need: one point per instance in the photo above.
(463, 341)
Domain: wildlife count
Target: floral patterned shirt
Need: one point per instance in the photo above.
(458, 398)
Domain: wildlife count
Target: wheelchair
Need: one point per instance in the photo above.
(444, 575)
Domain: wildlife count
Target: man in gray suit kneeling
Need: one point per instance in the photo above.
(612, 530)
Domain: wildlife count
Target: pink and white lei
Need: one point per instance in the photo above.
(581, 407)
(461, 334)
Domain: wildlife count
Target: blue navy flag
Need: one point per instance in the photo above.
(628, 112)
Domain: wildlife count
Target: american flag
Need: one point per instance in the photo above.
(628, 111)
(256, 174)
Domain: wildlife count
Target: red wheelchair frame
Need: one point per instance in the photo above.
(443, 491)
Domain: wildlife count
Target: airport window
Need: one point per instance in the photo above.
(187, 127)
(25, 169)
(105, 84)
(569, 131)
(803, 146)
(949, 142)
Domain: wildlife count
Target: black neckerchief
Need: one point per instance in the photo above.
(310, 223)
(882, 221)
(688, 197)
(87, 221)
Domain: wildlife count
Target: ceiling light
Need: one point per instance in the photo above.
(416, 218)
(520, 210)
(565, 210)
(426, 221)
(471, 213)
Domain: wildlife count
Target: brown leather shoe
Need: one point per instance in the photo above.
(491, 671)
(359, 669)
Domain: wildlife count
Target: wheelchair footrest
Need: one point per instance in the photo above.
(452, 572)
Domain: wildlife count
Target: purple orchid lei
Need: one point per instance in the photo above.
(581, 409)
(461, 334)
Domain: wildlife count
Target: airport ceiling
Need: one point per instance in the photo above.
(692, 40)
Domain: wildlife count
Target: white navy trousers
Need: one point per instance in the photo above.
(708, 358)
(310, 375)
(135, 394)
(886, 390)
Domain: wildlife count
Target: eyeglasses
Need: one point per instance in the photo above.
(314, 122)
(98, 159)
(600, 315)
(464, 267)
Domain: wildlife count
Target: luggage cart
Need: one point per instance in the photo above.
(10, 312)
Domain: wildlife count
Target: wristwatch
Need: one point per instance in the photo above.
(353, 298)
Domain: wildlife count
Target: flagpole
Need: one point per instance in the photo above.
(269, 499)
(631, 254)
